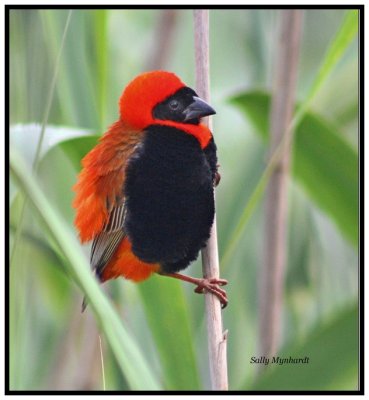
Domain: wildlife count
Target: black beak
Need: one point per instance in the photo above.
(198, 109)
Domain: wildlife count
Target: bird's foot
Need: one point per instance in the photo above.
(217, 179)
(204, 284)
(212, 285)
(217, 176)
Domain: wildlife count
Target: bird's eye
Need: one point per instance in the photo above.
(174, 104)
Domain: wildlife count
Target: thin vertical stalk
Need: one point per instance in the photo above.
(164, 36)
(217, 339)
(273, 269)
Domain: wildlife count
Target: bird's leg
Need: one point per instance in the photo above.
(204, 284)
(217, 177)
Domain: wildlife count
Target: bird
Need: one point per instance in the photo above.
(145, 194)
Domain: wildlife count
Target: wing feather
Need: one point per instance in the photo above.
(116, 220)
(106, 242)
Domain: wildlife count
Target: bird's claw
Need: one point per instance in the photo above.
(212, 285)
(217, 178)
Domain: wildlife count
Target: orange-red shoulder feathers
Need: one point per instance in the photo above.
(100, 184)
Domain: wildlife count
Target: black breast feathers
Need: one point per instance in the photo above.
(169, 197)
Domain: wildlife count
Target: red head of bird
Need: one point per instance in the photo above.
(147, 90)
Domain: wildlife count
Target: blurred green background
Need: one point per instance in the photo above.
(53, 345)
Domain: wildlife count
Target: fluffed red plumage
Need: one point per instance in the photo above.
(100, 182)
